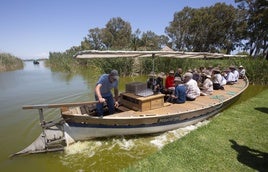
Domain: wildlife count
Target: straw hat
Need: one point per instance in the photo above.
(241, 66)
(161, 75)
(171, 71)
(216, 70)
(232, 67)
(152, 74)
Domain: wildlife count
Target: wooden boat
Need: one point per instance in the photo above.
(136, 115)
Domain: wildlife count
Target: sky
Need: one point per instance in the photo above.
(30, 29)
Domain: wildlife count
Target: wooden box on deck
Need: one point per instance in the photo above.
(139, 103)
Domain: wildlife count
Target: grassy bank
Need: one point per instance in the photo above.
(236, 140)
(9, 62)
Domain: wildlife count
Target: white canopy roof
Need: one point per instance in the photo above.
(171, 54)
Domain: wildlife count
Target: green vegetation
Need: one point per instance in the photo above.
(218, 28)
(257, 68)
(236, 140)
(9, 62)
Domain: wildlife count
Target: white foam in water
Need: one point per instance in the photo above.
(125, 144)
(170, 136)
(82, 147)
(159, 141)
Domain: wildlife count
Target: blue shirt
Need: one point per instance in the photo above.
(180, 92)
(106, 85)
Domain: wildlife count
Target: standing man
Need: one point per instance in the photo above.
(103, 92)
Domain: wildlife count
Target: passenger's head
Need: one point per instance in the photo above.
(171, 73)
(187, 77)
(177, 80)
(179, 70)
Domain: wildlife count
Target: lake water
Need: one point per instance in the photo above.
(36, 84)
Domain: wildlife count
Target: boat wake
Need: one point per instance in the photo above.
(114, 153)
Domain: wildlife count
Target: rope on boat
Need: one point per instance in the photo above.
(218, 97)
(232, 93)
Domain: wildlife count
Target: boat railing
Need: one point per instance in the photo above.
(40, 108)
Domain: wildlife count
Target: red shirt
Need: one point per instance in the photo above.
(169, 81)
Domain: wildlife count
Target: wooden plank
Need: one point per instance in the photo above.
(44, 106)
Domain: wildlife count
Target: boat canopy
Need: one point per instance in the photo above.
(88, 54)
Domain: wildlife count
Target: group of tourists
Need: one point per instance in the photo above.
(180, 87)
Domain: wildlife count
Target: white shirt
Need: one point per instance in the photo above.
(230, 77)
(242, 72)
(192, 89)
(223, 81)
(207, 86)
(236, 75)
(217, 78)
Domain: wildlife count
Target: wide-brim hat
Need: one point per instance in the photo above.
(216, 70)
(206, 75)
(241, 66)
(161, 75)
(152, 74)
(232, 67)
(171, 71)
(227, 70)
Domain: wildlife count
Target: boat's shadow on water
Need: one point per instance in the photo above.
(252, 158)
(262, 109)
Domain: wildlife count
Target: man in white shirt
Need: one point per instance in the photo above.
(235, 72)
(242, 72)
(230, 79)
(192, 89)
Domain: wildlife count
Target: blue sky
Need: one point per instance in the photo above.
(33, 28)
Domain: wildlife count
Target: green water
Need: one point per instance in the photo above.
(36, 84)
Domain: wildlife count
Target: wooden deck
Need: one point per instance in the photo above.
(201, 102)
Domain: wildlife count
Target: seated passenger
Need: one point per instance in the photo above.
(207, 87)
(230, 78)
(217, 79)
(179, 95)
(242, 72)
(151, 82)
(159, 83)
(192, 89)
(235, 72)
(169, 84)
(179, 73)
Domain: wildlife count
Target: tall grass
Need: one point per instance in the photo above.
(256, 68)
(9, 62)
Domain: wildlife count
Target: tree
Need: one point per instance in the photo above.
(150, 41)
(178, 30)
(209, 29)
(135, 40)
(256, 35)
(117, 34)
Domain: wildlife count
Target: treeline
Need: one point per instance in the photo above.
(9, 62)
(218, 28)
